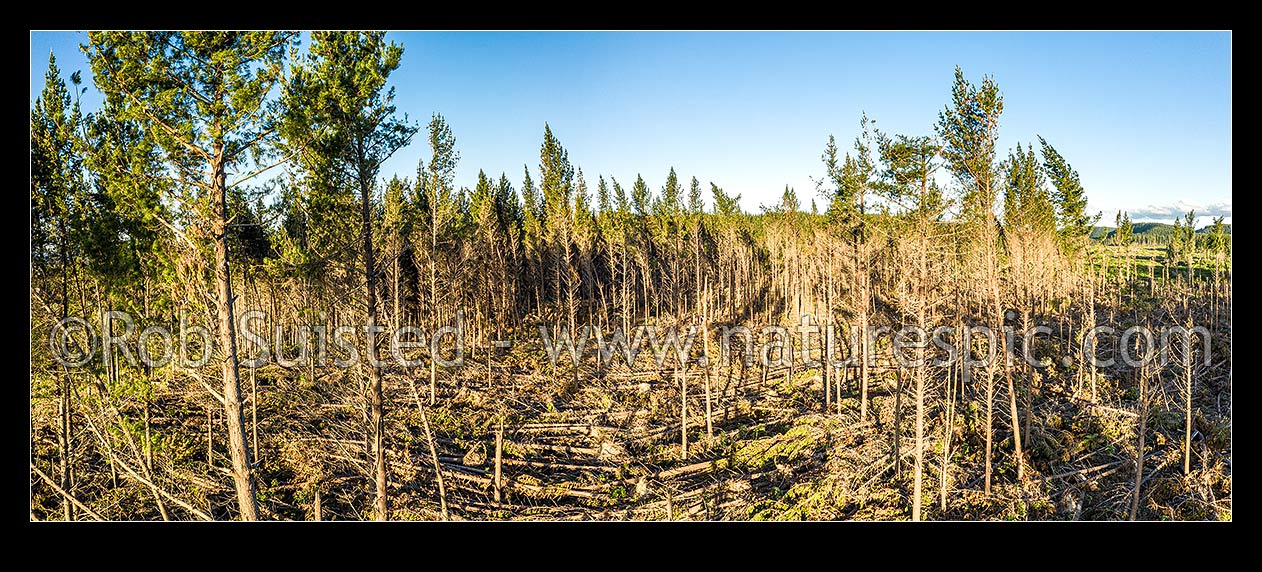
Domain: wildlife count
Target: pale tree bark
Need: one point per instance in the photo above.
(1012, 409)
(239, 451)
(433, 451)
(1142, 410)
(683, 413)
(433, 289)
(377, 413)
(1187, 396)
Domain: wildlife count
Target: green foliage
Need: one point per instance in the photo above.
(1026, 204)
(725, 205)
(60, 207)
(197, 94)
(532, 213)
(508, 208)
(337, 119)
(1219, 243)
(851, 178)
(1125, 233)
(1182, 245)
(437, 197)
(1073, 223)
(907, 177)
(695, 205)
(125, 221)
(968, 128)
(668, 204)
(398, 216)
(338, 115)
(640, 196)
(556, 185)
(789, 204)
(483, 208)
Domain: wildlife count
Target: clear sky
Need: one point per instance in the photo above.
(1144, 117)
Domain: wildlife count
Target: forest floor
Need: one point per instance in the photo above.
(606, 444)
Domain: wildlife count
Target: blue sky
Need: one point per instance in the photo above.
(1144, 117)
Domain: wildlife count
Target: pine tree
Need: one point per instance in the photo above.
(440, 205)
(667, 232)
(723, 204)
(1026, 204)
(509, 210)
(398, 223)
(198, 95)
(340, 119)
(907, 181)
(56, 164)
(556, 185)
(1219, 243)
(57, 196)
(489, 260)
(584, 239)
(851, 179)
(640, 197)
(1073, 224)
(969, 128)
(532, 235)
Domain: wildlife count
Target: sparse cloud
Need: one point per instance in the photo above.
(1167, 213)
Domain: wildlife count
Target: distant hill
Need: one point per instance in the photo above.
(1149, 231)
(1210, 228)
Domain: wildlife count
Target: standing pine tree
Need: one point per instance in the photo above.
(532, 235)
(851, 180)
(439, 206)
(907, 181)
(1073, 223)
(57, 197)
(969, 128)
(556, 184)
(200, 95)
(340, 119)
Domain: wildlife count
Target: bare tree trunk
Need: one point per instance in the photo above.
(920, 440)
(683, 414)
(254, 414)
(709, 414)
(242, 465)
(1091, 325)
(377, 420)
(1016, 419)
(148, 438)
(1187, 402)
(841, 374)
(705, 347)
(863, 350)
(433, 452)
(396, 317)
(1139, 452)
(64, 389)
(63, 442)
(990, 430)
(210, 437)
(898, 424)
(433, 293)
(499, 447)
(947, 431)
(1027, 390)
